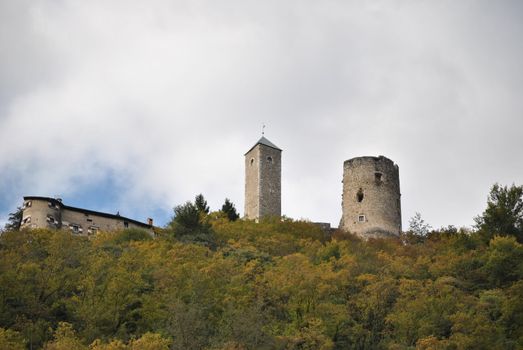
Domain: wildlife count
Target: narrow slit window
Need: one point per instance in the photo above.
(359, 195)
(252, 161)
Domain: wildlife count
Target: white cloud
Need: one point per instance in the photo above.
(167, 96)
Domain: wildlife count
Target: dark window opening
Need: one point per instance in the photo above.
(269, 159)
(359, 195)
(378, 177)
(125, 224)
(361, 218)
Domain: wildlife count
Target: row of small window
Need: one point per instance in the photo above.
(269, 160)
(78, 229)
(29, 204)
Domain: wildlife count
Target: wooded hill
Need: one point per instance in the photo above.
(268, 285)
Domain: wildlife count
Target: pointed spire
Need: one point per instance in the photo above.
(265, 142)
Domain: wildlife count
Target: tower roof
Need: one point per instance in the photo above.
(265, 142)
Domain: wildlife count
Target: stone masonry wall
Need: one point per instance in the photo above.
(90, 224)
(262, 182)
(252, 183)
(50, 213)
(371, 201)
(41, 214)
(270, 181)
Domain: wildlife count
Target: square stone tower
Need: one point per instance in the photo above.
(263, 180)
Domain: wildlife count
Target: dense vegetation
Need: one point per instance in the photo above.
(223, 284)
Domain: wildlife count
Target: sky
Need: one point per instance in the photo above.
(137, 106)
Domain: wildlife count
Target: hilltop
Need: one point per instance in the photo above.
(272, 285)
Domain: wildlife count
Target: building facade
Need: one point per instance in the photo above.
(45, 212)
(263, 180)
(371, 200)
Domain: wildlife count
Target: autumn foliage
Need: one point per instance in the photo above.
(269, 285)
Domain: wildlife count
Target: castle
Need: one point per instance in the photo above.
(45, 212)
(371, 204)
(371, 199)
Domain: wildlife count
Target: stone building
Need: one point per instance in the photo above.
(371, 202)
(263, 180)
(44, 212)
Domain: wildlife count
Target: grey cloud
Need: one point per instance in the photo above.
(169, 95)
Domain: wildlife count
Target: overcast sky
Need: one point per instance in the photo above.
(138, 106)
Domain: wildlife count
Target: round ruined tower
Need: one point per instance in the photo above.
(371, 201)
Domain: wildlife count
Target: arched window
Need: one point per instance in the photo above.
(269, 159)
(252, 161)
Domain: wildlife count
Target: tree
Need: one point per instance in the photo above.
(186, 216)
(229, 209)
(15, 220)
(191, 225)
(201, 204)
(418, 226)
(418, 230)
(504, 213)
(11, 340)
(65, 339)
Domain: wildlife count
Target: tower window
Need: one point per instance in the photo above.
(361, 218)
(378, 177)
(269, 160)
(125, 224)
(252, 161)
(359, 195)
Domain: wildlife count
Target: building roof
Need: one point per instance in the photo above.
(265, 142)
(87, 211)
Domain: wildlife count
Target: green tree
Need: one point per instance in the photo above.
(418, 230)
(230, 210)
(201, 204)
(418, 226)
(504, 213)
(15, 220)
(186, 217)
(191, 225)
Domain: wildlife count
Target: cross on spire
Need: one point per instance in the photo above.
(263, 129)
